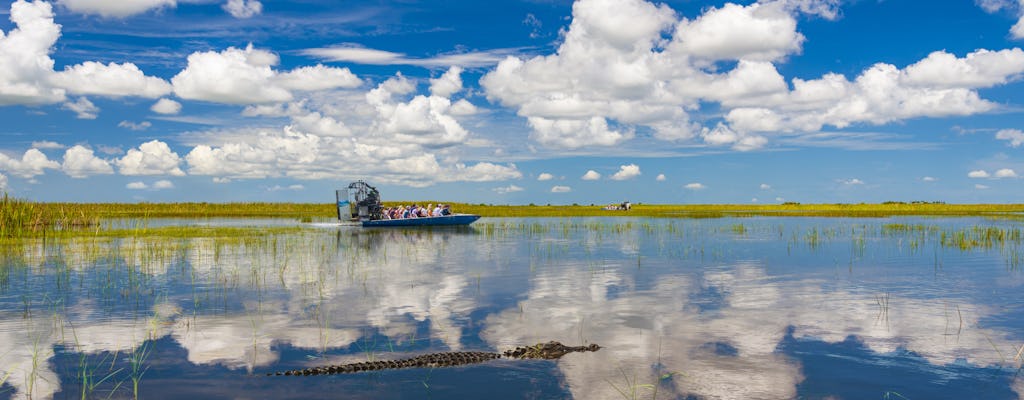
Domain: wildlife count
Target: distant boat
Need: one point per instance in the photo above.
(365, 206)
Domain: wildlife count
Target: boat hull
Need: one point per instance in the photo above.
(448, 220)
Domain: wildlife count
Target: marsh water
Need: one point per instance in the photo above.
(730, 308)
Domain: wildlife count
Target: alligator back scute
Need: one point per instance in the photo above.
(547, 351)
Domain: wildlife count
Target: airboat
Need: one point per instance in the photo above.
(361, 202)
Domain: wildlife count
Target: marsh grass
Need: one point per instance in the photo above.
(22, 218)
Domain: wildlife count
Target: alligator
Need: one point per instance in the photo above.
(547, 351)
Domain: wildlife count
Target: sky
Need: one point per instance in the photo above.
(513, 102)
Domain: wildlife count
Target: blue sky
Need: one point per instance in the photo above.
(513, 102)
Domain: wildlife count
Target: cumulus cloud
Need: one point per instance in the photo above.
(660, 178)
(115, 80)
(851, 182)
(246, 76)
(83, 108)
(626, 172)
(137, 185)
(765, 186)
(166, 106)
(508, 189)
(603, 81)
(150, 158)
(163, 184)
(422, 119)
(1005, 173)
(293, 153)
(243, 8)
(980, 186)
(26, 69)
(929, 179)
(758, 32)
(31, 164)
(3, 183)
(81, 162)
(447, 84)
(560, 189)
(544, 176)
(694, 186)
(978, 174)
(1014, 136)
(591, 175)
(115, 8)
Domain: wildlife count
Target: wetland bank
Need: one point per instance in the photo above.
(769, 305)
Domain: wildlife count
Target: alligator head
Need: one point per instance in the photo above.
(549, 351)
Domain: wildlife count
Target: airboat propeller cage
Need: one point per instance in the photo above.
(360, 201)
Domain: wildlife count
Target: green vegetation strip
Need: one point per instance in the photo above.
(21, 218)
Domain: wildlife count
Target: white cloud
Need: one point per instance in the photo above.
(137, 185)
(604, 81)
(780, 199)
(318, 77)
(544, 176)
(929, 179)
(463, 107)
(980, 186)
(163, 184)
(81, 162)
(277, 188)
(757, 32)
(218, 179)
(47, 144)
(508, 189)
(575, 133)
(626, 172)
(109, 150)
(694, 186)
(3, 183)
(560, 189)
(765, 186)
(422, 119)
(591, 175)
(246, 76)
(25, 64)
(291, 152)
(31, 164)
(166, 106)
(150, 158)
(83, 108)
(660, 178)
(115, 8)
(447, 84)
(114, 80)
(141, 126)
(26, 69)
(357, 54)
(1015, 136)
(851, 182)
(243, 8)
(1005, 173)
(978, 174)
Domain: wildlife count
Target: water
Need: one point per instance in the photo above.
(733, 308)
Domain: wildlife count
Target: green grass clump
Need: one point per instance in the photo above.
(22, 218)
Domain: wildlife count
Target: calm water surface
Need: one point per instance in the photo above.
(748, 308)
